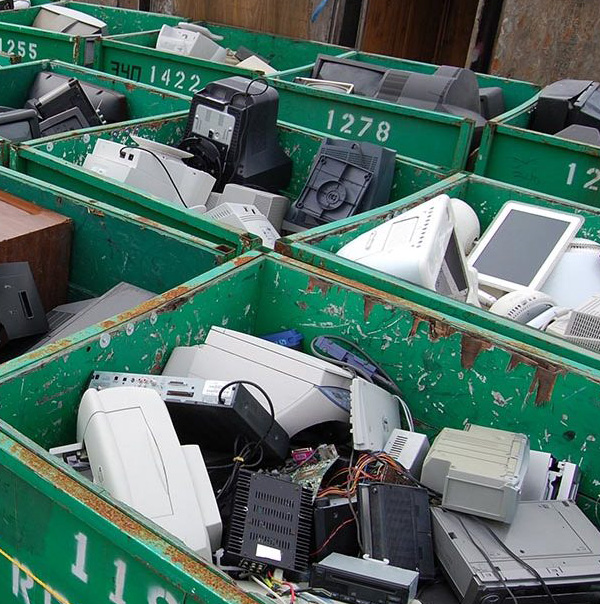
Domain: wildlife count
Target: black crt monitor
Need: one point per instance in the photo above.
(65, 108)
(109, 104)
(232, 133)
(7, 4)
(18, 125)
(21, 310)
(366, 77)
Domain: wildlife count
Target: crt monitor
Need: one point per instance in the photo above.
(365, 77)
(420, 246)
(18, 125)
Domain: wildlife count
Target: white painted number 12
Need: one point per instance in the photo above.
(591, 184)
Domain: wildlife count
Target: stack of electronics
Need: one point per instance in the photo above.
(527, 266)
(54, 17)
(296, 471)
(569, 109)
(14, 4)
(191, 40)
(452, 90)
(58, 103)
(24, 324)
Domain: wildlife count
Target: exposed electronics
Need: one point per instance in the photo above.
(201, 418)
(334, 528)
(154, 168)
(478, 470)
(305, 390)
(522, 305)
(581, 134)
(327, 85)
(408, 449)
(311, 472)
(54, 17)
(135, 455)
(420, 246)
(246, 218)
(548, 478)
(18, 125)
(395, 526)
(522, 245)
(347, 178)
(576, 276)
(271, 205)
(357, 581)
(70, 318)
(75, 456)
(110, 105)
(374, 414)
(199, 43)
(567, 102)
(65, 108)
(364, 77)
(270, 525)
(21, 309)
(552, 537)
(581, 326)
(232, 134)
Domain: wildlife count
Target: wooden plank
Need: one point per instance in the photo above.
(547, 40)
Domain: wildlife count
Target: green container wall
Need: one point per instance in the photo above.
(542, 162)
(59, 162)
(7, 59)
(134, 56)
(450, 372)
(17, 36)
(444, 144)
(143, 102)
(110, 245)
(318, 247)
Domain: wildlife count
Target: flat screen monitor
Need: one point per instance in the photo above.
(522, 245)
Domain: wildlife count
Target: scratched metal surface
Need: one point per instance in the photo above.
(450, 371)
(318, 247)
(59, 160)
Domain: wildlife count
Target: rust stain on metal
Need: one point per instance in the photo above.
(470, 348)
(439, 330)
(241, 260)
(130, 87)
(196, 569)
(417, 320)
(48, 349)
(96, 212)
(302, 305)
(369, 302)
(544, 380)
(314, 284)
(283, 248)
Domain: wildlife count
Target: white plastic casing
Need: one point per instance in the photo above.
(412, 246)
(246, 218)
(408, 449)
(289, 377)
(374, 414)
(135, 455)
(271, 205)
(522, 305)
(140, 169)
(466, 223)
(190, 43)
(479, 470)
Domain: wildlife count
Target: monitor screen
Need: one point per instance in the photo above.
(18, 125)
(452, 279)
(522, 245)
